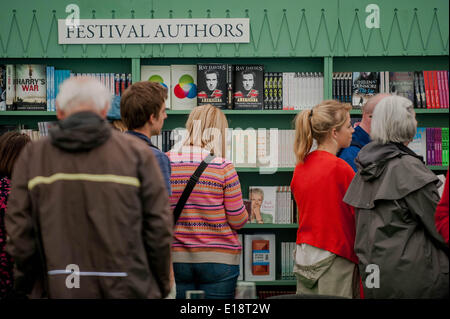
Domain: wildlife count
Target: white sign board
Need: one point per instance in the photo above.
(140, 31)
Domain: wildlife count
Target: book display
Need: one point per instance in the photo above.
(260, 85)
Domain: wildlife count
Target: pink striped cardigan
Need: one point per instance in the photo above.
(206, 229)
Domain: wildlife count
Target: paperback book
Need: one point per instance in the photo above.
(259, 257)
(159, 74)
(214, 84)
(365, 85)
(184, 87)
(249, 87)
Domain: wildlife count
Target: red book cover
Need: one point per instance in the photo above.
(445, 86)
(427, 89)
(440, 89)
(437, 104)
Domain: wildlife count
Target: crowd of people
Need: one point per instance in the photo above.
(88, 212)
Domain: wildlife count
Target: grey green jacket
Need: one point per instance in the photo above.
(395, 198)
(99, 201)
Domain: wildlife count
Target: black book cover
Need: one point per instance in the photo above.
(280, 90)
(349, 87)
(212, 84)
(365, 85)
(334, 86)
(422, 90)
(249, 87)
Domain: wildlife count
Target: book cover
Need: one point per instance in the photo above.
(264, 204)
(244, 143)
(2, 88)
(259, 257)
(249, 87)
(437, 103)
(31, 87)
(402, 84)
(445, 148)
(423, 95)
(159, 74)
(212, 84)
(184, 86)
(365, 85)
(417, 97)
(10, 86)
(419, 143)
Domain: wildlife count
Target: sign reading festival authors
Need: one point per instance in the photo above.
(139, 31)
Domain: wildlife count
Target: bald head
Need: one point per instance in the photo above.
(78, 94)
(367, 110)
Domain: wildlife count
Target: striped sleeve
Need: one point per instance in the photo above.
(235, 210)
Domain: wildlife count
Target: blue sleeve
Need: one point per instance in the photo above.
(349, 154)
(166, 170)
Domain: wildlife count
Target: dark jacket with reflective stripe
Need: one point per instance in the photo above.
(100, 203)
(395, 198)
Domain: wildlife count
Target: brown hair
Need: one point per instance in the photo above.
(204, 125)
(11, 144)
(140, 101)
(316, 124)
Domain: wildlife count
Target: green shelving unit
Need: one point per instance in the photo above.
(285, 36)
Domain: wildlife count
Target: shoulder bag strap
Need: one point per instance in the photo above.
(190, 186)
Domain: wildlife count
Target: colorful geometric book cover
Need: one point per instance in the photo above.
(184, 86)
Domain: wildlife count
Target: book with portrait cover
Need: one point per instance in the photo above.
(365, 85)
(402, 84)
(213, 84)
(159, 74)
(264, 204)
(249, 87)
(184, 87)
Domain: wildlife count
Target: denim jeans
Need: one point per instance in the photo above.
(218, 281)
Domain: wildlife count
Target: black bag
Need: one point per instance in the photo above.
(190, 186)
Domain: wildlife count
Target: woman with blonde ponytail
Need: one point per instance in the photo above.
(325, 262)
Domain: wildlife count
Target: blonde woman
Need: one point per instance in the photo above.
(325, 262)
(206, 250)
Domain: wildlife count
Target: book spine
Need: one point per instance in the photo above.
(445, 146)
(426, 81)
(10, 86)
(440, 89)
(47, 89)
(230, 88)
(445, 88)
(435, 90)
(417, 101)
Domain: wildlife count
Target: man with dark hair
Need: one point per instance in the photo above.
(143, 110)
(212, 80)
(248, 82)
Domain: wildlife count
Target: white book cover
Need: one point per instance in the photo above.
(419, 143)
(264, 200)
(244, 147)
(159, 74)
(259, 257)
(183, 86)
(10, 85)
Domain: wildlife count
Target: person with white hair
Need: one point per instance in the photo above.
(88, 214)
(400, 252)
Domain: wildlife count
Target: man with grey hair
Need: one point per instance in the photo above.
(361, 135)
(88, 215)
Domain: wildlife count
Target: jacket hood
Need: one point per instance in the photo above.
(372, 159)
(80, 132)
(386, 172)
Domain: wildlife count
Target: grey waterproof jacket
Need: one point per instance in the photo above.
(100, 206)
(401, 254)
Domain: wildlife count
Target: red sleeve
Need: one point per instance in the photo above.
(441, 216)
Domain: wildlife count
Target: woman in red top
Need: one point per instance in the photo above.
(325, 262)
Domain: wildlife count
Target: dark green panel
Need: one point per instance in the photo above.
(394, 63)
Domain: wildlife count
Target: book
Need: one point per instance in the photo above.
(213, 84)
(264, 204)
(30, 82)
(241, 258)
(417, 95)
(419, 144)
(365, 85)
(2, 87)
(10, 86)
(159, 74)
(259, 257)
(244, 143)
(183, 86)
(249, 87)
(445, 147)
(402, 84)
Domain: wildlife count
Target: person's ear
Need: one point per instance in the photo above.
(60, 114)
